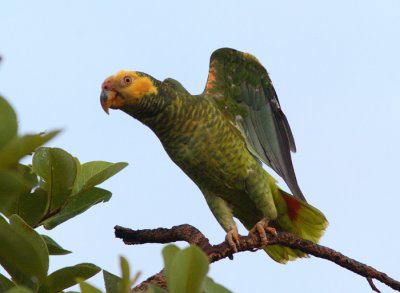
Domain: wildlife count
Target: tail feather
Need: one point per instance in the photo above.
(300, 219)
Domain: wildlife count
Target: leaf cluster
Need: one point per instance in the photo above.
(53, 189)
(185, 271)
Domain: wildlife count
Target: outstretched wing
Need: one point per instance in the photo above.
(242, 89)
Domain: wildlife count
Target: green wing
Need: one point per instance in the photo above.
(243, 91)
(176, 85)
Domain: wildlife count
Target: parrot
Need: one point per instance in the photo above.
(220, 139)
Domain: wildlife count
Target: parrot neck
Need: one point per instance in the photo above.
(149, 107)
(165, 112)
(154, 110)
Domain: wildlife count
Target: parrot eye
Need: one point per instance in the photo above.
(126, 80)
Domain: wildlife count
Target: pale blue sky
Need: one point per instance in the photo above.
(335, 66)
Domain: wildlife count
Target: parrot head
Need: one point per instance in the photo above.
(126, 88)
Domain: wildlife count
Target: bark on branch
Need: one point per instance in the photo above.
(217, 252)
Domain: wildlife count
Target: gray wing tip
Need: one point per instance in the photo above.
(295, 189)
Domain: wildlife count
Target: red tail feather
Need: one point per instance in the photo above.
(293, 206)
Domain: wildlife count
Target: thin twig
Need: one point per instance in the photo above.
(371, 283)
(251, 242)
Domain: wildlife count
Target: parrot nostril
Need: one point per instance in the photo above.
(107, 86)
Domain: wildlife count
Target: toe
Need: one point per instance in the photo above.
(271, 230)
(233, 239)
(261, 228)
(261, 232)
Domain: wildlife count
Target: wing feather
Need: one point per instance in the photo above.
(242, 89)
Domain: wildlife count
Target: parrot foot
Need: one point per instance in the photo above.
(261, 228)
(233, 237)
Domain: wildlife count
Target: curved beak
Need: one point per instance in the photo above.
(105, 100)
(109, 97)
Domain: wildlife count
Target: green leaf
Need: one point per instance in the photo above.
(67, 277)
(169, 252)
(16, 196)
(209, 286)
(2, 220)
(20, 289)
(94, 173)
(15, 186)
(8, 122)
(155, 289)
(53, 247)
(58, 169)
(33, 206)
(5, 283)
(78, 204)
(87, 288)
(117, 284)
(187, 270)
(27, 173)
(21, 146)
(111, 281)
(12, 185)
(125, 281)
(23, 252)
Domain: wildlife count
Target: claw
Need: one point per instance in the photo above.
(261, 228)
(233, 239)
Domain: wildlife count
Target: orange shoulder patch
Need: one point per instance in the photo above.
(211, 77)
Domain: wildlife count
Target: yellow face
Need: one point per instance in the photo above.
(125, 88)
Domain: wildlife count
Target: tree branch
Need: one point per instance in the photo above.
(251, 242)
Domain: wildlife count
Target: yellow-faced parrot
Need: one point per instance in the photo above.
(219, 139)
